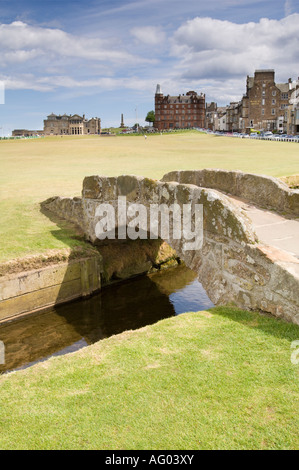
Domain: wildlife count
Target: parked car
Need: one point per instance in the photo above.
(268, 134)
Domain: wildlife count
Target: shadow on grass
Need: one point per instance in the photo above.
(68, 233)
(266, 323)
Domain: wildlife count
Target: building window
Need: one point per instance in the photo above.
(274, 93)
(273, 101)
(263, 102)
(263, 112)
(273, 111)
(284, 96)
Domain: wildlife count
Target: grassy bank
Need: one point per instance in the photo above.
(221, 379)
(33, 170)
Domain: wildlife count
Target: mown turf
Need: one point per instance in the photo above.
(221, 379)
(33, 170)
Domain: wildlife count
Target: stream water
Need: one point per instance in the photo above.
(125, 306)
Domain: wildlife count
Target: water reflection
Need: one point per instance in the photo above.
(127, 306)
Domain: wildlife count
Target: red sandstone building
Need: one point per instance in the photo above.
(179, 112)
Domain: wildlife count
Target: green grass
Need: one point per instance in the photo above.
(221, 379)
(33, 170)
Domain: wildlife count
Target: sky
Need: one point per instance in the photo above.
(104, 58)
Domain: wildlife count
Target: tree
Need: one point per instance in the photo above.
(150, 117)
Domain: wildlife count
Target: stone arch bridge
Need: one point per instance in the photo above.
(236, 263)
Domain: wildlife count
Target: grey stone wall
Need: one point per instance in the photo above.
(264, 191)
(231, 265)
(66, 208)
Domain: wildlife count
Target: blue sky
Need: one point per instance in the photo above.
(104, 58)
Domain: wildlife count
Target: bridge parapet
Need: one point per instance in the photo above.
(232, 265)
(221, 216)
(263, 191)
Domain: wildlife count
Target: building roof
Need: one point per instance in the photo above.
(283, 87)
(188, 98)
(75, 116)
(265, 71)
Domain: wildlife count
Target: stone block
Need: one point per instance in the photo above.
(129, 186)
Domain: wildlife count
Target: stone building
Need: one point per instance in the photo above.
(211, 116)
(71, 125)
(221, 122)
(293, 110)
(27, 133)
(265, 104)
(179, 112)
(233, 116)
(216, 117)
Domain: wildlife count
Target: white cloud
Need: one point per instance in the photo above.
(20, 42)
(288, 7)
(83, 86)
(150, 35)
(210, 48)
(204, 54)
(45, 59)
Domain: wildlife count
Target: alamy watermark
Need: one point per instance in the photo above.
(2, 353)
(2, 93)
(133, 220)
